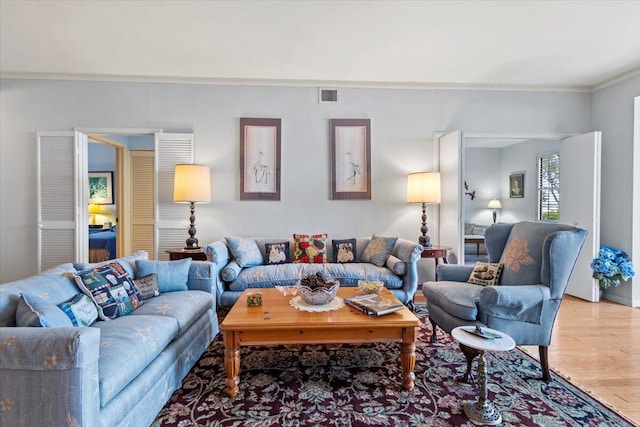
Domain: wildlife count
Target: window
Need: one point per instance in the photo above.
(549, 187)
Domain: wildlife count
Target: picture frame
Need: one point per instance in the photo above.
(101, 187)
(350, 159)
(260, 153)
(516, 185)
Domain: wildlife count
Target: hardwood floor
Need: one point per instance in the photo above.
(597, 346)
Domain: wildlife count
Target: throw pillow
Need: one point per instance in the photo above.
(110, 288)
(245, 251)
(276, 253)
(310, 249)
(396, 265)
(378, 250)
(147, 286)
(172, 275)
(33, 311)
(485, 273)
(344, 250)
(230, 271)
(81, 310)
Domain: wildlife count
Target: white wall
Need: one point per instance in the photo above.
(402, 123)
(613, 115)
(483, 175)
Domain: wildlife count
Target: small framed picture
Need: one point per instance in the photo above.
(350, 159)
(101, 188)
(516, 185)
(259, 159)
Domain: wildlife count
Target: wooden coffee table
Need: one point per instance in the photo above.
(277, 322)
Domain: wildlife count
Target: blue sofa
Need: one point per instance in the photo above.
(399, 273)
(116, 372)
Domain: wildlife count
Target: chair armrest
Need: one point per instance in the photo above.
(49, 376)
(454, 272)
(520, 303)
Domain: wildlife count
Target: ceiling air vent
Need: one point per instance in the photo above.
(328, 95)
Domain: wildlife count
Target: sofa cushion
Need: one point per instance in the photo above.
(127, 345)
(81, 310)
(345, 250)
(276, 253)
(184, 306)
(172, 275)
(456, 298)
(396, 265)
(110, 288)
(33, 311)
(311, 249)
(245, 251)
(378, 250)
(230, 271)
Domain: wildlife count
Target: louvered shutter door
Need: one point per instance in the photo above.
(172, 218)
(59, 198)
(142, 202)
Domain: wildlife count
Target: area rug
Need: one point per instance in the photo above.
(360, 385)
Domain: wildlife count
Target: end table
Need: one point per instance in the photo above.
(436, 252)
(196, 254)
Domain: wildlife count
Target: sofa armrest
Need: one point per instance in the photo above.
(49, 376)
(520, 303)
(409, 252)
(218, 253)
(202, 276)
(454, 272)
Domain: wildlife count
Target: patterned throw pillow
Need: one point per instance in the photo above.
(245, 251)
(344, 251)
(147, 286)
(81, 310)
(310, 249)
(110, 288)
(378, 250)
(276, 253)
(34, 311)
(485, 273)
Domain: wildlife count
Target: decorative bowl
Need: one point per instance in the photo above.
(318, 296)
(370, 286)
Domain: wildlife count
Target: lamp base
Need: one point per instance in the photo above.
(495, 215)
(425, 241)
(192, 242)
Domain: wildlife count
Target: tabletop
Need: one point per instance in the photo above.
(504, 343)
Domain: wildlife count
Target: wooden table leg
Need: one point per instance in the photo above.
(408, 357)
(232, 362)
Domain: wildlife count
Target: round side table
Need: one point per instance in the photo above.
(482, 410)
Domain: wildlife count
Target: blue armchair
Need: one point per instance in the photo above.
(537, 258)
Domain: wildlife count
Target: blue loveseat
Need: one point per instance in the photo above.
(399, 272)
(116, 372)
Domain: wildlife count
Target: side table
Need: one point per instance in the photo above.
(482, 410)
(436, 252)
(196, 254)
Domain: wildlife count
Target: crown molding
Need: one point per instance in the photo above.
(292, 82)
(617, 79)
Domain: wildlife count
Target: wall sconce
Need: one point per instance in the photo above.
(192, 184)
(495, 205)
(423, 187)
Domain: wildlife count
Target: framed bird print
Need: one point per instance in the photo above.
(260, 159)
(350, 159)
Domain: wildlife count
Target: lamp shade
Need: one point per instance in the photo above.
(192, 183)
(494, 204)
(94, 209)
(423, 187)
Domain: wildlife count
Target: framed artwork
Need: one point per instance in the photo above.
(516, 185)
(350, 159)
(101, 188)
(259, 159)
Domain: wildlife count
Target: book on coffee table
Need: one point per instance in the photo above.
(373, 304)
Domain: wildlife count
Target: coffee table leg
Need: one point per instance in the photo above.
(408, 357)
(232, 362)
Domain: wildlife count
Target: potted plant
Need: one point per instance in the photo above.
(611, 266)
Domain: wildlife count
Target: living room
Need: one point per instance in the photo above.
(98, 91)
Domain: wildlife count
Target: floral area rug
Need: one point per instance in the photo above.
(360, 385)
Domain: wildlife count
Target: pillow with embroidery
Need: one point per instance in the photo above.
(276, 253)
(344, 250)
(147, 286)
(245, 251)
(486, 273)
(310, 249)
(81, 310)
(378, 250)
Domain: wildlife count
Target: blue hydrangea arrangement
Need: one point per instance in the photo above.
(611, 266)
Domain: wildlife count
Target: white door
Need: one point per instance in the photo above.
(451, 209)
(580, 205)
(172, 219)
(62, 198)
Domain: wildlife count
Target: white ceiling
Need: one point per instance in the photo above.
(561, 45)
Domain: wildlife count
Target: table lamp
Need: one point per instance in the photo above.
(495, 205)
(192, 184)
(94, 209)
(423, 187)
